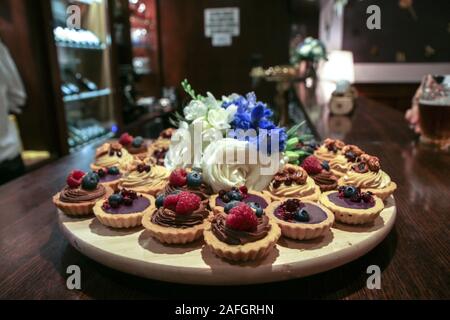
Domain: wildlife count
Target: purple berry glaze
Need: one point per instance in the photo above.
(110, 177)
(250, 198)
(139, 205)
(316, 214)
(347, 203)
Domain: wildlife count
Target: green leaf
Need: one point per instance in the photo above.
(188, 89)
(292, 132)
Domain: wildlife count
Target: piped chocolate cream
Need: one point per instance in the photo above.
(168, 218)
(77, 195)
(237, 237)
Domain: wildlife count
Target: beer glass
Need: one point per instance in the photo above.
(434, 110)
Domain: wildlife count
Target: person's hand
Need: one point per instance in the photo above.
(412, 114)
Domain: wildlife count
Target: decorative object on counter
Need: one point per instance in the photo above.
(320, 172)
(343, 99)
(351, 205)
(111, 154)
(301, 220)
(366, 174)
(224, 200)
(343, 162)
(145, 178)
(242, 235)
(292, 182)
(178, 219)
(81, 193)
(215, 117)
(109, 176)
(123, 209)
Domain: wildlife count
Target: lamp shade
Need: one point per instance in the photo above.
(338, 67)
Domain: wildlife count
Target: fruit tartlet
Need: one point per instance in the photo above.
(320, 172)
(111, 154)
(226, 199)
(158, 149)
(329, 149)
(182, 180)
(292, 182)
(141, 177)
(343, 162)
(109, 177)
(367, 175)
(352, 206)
(124, 209)
(81, 193)
(136, 146)
(301, 220)
(179, 218)
(244, 234)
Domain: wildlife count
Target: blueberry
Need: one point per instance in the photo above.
(115, 200)
(137, 142)
(101, 173)
(160, 201)
(326, 165)
(350, 191)
(301, 215)
(90, 181)
(113, 171)
(259, 212)
(194, 179)
(253, 205)
(230, 205)
(235, 195)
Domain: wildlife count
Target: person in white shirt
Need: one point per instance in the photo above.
(12, 97)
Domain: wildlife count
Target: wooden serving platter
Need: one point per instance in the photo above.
(136, 252)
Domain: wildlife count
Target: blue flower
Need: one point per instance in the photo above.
(253, 114)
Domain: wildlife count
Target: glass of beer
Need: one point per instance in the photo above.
(434, 110)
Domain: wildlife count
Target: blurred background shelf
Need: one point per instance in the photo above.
(87, 95)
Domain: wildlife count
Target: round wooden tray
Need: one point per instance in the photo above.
(136, 252)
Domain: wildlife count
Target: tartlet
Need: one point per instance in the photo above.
(136, 146)
(158, 149)
(219, 201)
(178, 219)
(329, 149)
(301, 220)
(292, 182)
(110, 177)
(241, 235)
(142, 177)
(352, 206)
(343, 162)
(124, 209)
(111, 154)
(80, 194)
(321, 174)
(191, 181)
(367, 175)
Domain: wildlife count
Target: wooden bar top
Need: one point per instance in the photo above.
(414, 258)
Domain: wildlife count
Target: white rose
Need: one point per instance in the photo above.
(195, 109)
(219, 118)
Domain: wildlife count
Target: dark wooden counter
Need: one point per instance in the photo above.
(414, 258)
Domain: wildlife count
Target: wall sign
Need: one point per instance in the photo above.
(221, 24)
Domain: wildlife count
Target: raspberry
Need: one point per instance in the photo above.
(312, 165)
(74, 179)
(125, 139)
(178, 178)
(170, 202)
(243, 189)
(77, 174)
(242, 218)
(187, 203)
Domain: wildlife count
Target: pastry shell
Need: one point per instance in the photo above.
(79, 209)
(127, 220)
(247, 252)
(351, 215)
(170, 235)
(302, 231)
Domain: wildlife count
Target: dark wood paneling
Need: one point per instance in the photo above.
(25, 32)
(394, 95)
(187, 53)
